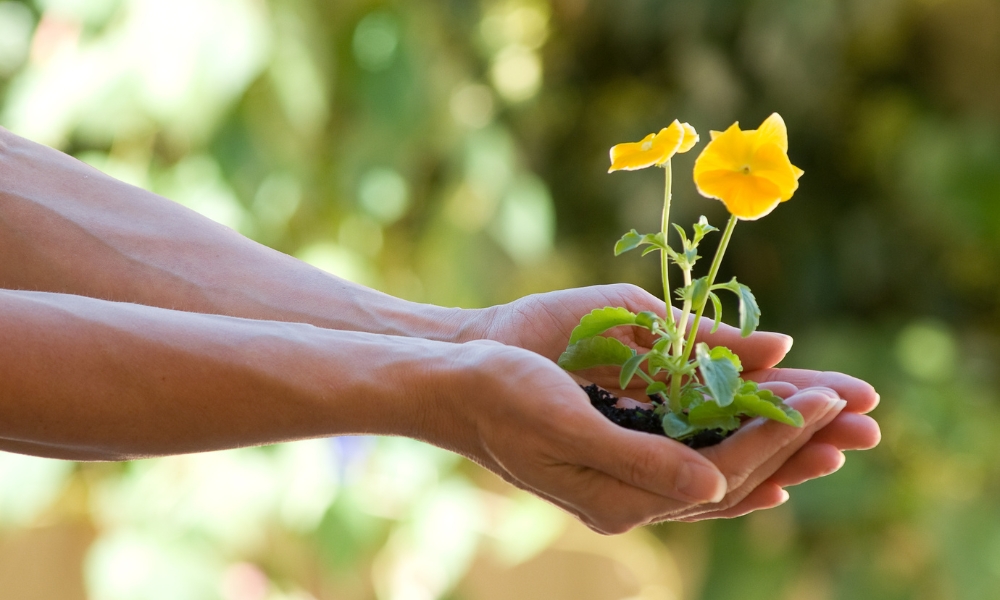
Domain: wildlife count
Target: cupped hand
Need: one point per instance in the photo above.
(542, 323)
(530, 423)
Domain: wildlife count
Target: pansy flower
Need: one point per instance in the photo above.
(748, 170)
(654, 149)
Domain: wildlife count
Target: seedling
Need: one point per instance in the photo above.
(695, 388)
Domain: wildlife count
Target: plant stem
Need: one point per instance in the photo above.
(678, 348)
(648, 380)
(665, 229)
(711, 281)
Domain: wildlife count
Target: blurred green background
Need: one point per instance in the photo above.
(454, 151)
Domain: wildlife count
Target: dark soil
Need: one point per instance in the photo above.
(641, 419)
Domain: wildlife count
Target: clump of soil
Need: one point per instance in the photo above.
(642, 419)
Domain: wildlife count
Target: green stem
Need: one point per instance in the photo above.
(649, 380)
(711, 281)
(675, 381)
(665, 229)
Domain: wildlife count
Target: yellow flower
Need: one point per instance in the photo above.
(748, 170)
(654, 149)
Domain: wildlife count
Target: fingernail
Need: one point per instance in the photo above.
(787, 339)
(784, 497)
(700, 483)
(833, 406)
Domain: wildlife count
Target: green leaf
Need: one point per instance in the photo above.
(629, 369)
(646, 319)
(633, 239)
(692, 395)
(696, 293)
(599, 321)
(701, 229)
(716, 310)
(710, 415)
(720, 374)
(684, 238)
(595, 352)
(662, 345)
(670, 251)
(675, 426)
(749, 311)
(756, 406)
(721, 352)
(656, 388)
(629, 241)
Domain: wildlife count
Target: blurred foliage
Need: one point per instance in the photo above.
(454, 151)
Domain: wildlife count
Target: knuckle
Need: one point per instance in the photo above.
(737, 478)
(642, 464)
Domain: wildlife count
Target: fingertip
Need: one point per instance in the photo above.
(700, 482)
(815, 404)
(779, 388)
(850, 431)
(812, 461)
(874, 435)
(785, 340)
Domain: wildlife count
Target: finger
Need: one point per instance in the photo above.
(602, 503)
(780, 388)
(608, 505)
(861, 397)
(812, 461)
(761, 350)
(761, 441)
(850, 431)
(653, 463)
(759, 449)
(766, 495)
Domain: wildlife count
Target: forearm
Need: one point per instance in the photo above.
(89, 379)
(65, 227)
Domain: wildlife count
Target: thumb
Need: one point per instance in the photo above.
(656, 464)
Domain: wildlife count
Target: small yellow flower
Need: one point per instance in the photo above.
(654, 149)
(748, 170)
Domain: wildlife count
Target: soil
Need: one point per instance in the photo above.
(641, 419)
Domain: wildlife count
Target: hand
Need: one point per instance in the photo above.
(543, 322)
(529, 422)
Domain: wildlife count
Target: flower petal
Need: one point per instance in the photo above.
(773, 131)
(691, 138)
(729, 151)
(668, 141)
(634, 155)
(771, 163)
(745, 196)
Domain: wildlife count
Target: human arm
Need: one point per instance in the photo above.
(65, 227)
(88, 379)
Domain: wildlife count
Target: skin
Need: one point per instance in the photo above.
(134, 327)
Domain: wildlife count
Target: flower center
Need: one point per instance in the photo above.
(646, 146)
(745, 170)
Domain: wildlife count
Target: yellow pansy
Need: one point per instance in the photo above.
(654, 149)
(748, 170)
